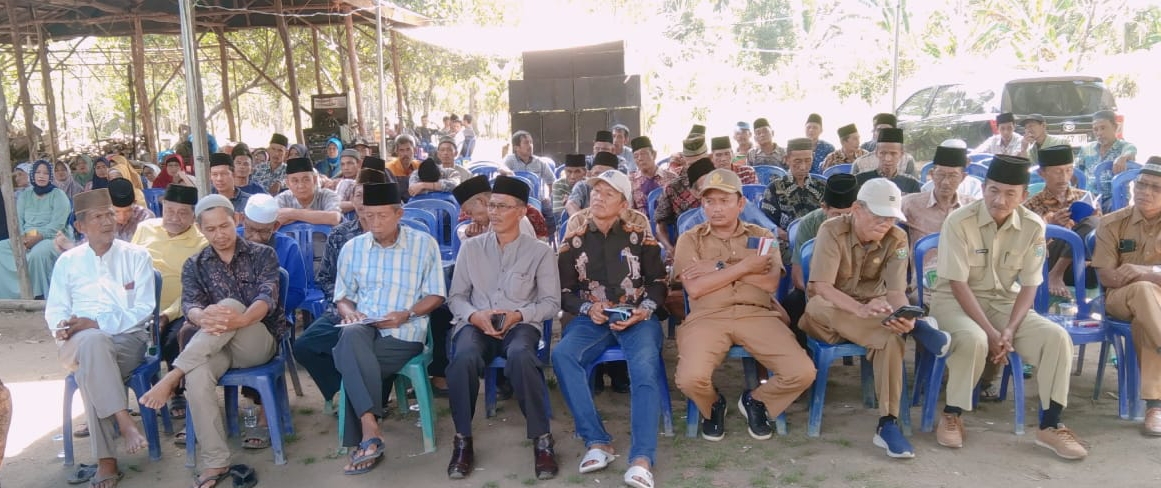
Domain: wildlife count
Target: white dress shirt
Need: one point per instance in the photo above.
(115, 290)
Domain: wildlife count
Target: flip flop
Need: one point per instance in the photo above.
(244, 476)
(115, 478)
(82, 431)
(83, 474)
(199, 482)
(179, 438)
(638, 477)
(256, 438)
(599, 458)
(177, 403)
(374, 457)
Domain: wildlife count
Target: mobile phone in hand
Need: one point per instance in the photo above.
(498, 320)
(904, 312)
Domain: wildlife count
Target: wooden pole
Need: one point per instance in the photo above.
(395, 74)
(227, 104)
(46, 84)
(291, 79)
(343, 84)
(10, 198)
(137, 51)
(318, 88)
(22, 80)
(356, 83)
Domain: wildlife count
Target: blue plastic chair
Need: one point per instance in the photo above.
(688, 219)
(140, 381)
(1103, 177)
(929, 369)
(428, 219)
(977, 170)
(1081, 336)
(498, 363)
(754, 193)
(824, 354)
(818, 177)
(456, 242)
(559, 172)
(562, 225)
(413, 373)
(614, 353)
(488, 171)
(1120, 335)
(651, 207)
(924, 171)
(448, 216)
(981, 158)
(534, 183)
(836, 169)
(415, 224)
(314, 303)
(437, 195)
(153, 199)
(767, 173)
(1120, 189)
(270, 382)
(751, 214)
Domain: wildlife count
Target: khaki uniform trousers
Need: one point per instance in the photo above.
(205, 359)
(1038, 341)
(100, 362)
(1140, 303)
(706, 337)
(826, 322)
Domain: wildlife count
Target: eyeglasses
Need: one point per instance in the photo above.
(501, 207)
(1148, 187)
(936, 175)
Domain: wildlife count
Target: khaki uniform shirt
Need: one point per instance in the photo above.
(1126, 237)
(862, 271)
(994, 260)
(699, 244)
(924, 217)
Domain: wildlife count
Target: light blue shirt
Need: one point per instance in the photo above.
(1090, 156)
(381, 280)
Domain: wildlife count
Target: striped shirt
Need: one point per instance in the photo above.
(381, 280)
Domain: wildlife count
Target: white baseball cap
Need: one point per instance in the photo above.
(883, 198)
(262, 208)
(617, 180)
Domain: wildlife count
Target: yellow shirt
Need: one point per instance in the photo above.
(169, 255)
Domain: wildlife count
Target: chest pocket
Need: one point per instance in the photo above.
(517, 286)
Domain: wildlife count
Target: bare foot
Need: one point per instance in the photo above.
(157, 396)
(134, 441)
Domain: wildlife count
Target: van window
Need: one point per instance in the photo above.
(947, 101)
(916, 106)
(1057, 98)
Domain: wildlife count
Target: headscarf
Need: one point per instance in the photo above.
(84, 177)
(329, 167)
(303, 152)
(41, 190)
(163, 178)
(69, 184)
(127, 172)
(96, 182)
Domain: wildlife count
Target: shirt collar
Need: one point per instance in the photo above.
(739, 231)
(983, 218)
(403, 235)
(960, 199)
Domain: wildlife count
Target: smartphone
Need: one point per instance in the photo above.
(618, 314)
(905, 312)
(498, 320)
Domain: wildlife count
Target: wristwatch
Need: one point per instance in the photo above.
(411, 315)
(720, 266)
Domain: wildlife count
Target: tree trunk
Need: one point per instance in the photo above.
(5, 418)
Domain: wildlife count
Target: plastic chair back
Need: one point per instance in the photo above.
(447, 214)
(924, 171)
(489, 172)
(836, 169)
(919, 254)
(981, 158)
(688, 219)
(437, 195)
(767, 173)
(1121, 188)
(415, 224)
(153, 199)
(304, 233)
(754, 193)
(1077, 249)
(534, 182)
(977, 170)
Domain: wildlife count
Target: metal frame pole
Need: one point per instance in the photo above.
(193, 96)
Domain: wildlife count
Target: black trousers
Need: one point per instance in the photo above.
(473, 351)
(364, 359)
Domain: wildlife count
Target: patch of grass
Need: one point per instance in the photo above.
(491, 484)
(713, 462)
(443, 412)
(290, 438)
(529, 481)
(134, 468)
(698, 482)
(840, 442)
(551, 382)
(309, 460)
(526, 443)
(306, 411)
(791, 477)
(762, 479)
(575, 479)
(511, 476)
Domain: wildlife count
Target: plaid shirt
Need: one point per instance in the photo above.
(381, 280)
(643, 185)
(561, 189)
(784, 201)
(839, 157)
(777, 157)
(326, 272)
(675, 200)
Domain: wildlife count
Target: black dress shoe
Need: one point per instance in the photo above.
(545, 458)
(462, 458)
(714, 427)
(619, 374)
(503, 391)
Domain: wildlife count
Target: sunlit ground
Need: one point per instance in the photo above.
(37, 414)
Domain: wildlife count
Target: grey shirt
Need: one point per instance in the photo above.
(520, 276)
(324, 199)
(538, 165)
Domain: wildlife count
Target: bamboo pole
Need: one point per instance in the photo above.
(356, 83)
(318, 88)
(10, 200)
(291, 79)
(137, 51)
(398, 78)
(227, 104)
(46, 84)
(22, 81)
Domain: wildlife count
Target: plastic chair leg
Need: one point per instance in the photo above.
(923, 366)
(231, 397)
(341, 404)
(931, 395)
(822, 360)
(425, 398)
(490, 392)
(1079, 360)
(191, 440)
(148, 420)
(1122, 375)
(1103, 359)
(292, 370)
(67, 425)
(666, 404)
(867, 375)
(273, 408)
(1014, 371)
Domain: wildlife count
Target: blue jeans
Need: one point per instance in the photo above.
(582, 343)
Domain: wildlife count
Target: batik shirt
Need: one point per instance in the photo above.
(777, 157)
(784, 201)
(622, 267)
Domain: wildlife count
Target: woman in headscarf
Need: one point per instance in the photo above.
(128, 172)
(99, 177)
(63, 178)
(149, 173)
(174, 171)
(330, 166)
(297, 151)
(42, 213)
(81, 168)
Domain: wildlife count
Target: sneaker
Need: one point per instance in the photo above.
(714, 427)
(934, 340)
(949, 433)
(1062, 441)
(757, 419)
(889, 437)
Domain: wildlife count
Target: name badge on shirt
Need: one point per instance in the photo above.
(1127, 245)
(762, 244)
(981, 251)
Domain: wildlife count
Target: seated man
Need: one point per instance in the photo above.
(432, 177)
(98, 310)
(313, 349)
(793, 196)
(1129, 267)
(1006, 142)
(579, 198)
(504, 287)
(722, 154)
(767, 152)
(217, 284)
(871, 160)
(836, 200)
(848, 150)
(927, 210)
(991, 260)
(397, 296)
(647, 176)
(260, 226)
(678, 197)
(730, 284)
(610, 260)
(171, 240)
(972, 187)
(344, 184)
(574, 172)
(858, 277)
(404, 163)
(128, 214)
(445, 154)
(473, 196)
(1106, 147)
(1054, 205)
(243, 168)
(888, 151)
(222, 179)
(304, 201)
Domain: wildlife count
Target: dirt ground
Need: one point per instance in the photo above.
(842, 457)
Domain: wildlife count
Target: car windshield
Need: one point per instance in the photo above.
(1056, 98)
